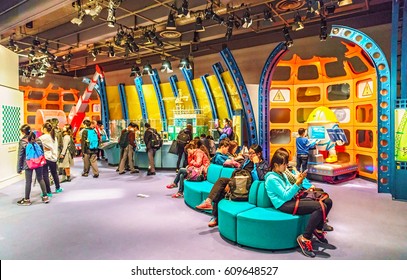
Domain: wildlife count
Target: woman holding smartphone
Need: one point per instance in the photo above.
(282, 195)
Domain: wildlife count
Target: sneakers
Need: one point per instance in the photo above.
(121, 173)
(59, 190)
(96, 176)
(134, 171)
(177, 195)
(213, 222)
(24, 202)
(320, 235)
(204, 206)
(49, 194)
(171, 186)
(85, 174)
(306, 246)
(45, 199)
(327, 227)
(150, 173)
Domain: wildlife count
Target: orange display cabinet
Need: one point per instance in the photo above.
(365, 113)
(281, 95)
(367, 164)
(282, 116)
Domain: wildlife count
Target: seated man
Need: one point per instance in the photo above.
(222, 153)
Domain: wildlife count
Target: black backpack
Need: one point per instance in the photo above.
(156, 141)
(239, 184)
(183, 137)
(124, 139)
(72, 147)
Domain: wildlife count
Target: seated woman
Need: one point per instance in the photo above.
(197, 157)
(221, 154)
(254, 163)
(282, 195)
(227, 131)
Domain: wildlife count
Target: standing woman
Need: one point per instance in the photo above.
(50, 146)
(29, 136)
(66, 158)
(282, 195)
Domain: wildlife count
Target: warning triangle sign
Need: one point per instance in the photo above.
(279, 96)
(367, 91)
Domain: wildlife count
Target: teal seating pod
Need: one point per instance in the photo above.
(268, 228)
(228, 211)
(226, 172)
(214, 171)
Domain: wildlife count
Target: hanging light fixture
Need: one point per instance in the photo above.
(183, 11)
(246, 20)
(185, 64)
(156, 40)
(288, 41)
(110, 51)
(147, 69)
(111, 11)
(171, 22)
(135, 71)
(298, 24)
(166, 66)
(198, 25)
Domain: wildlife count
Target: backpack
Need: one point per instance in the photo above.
(93, 139)
(239, 184)
(34, 156)
(156, 141)
(124, 139)
(183, 137)
(72, 147)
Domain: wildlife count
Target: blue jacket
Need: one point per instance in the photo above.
(303, 145)
(219, 158)
(279, 188)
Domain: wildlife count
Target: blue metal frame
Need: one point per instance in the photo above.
(155, 79)
(403, 65)
(100, 88)
(209, 95)
(264, 98)
(243, 95)
(385, 103)
(123, 101)
(188, 76)
(173, 82)
(218, 69)
(138, 81)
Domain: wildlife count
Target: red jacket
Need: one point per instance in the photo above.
(198, 158)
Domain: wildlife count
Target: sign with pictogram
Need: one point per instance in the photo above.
(365, 89)
(280, 95)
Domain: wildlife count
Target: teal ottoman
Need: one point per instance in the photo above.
(193, 192)
(268, 228)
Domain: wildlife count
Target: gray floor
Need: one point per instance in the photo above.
(104, 218)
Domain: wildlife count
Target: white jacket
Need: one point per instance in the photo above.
(50, 147)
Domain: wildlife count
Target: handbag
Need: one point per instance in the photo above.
(316, 195)
(195, 173)
(173, 148)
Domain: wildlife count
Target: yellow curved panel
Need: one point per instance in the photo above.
(168, 99)
(113, 100)
(232, 91)
(184, 91)
(202, 98)
(217, 96)
(133, 103)
(152, 106)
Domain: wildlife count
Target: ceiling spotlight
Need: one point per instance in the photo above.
(230, 25)
(110, 51)
(185, 63)
(78, 20)
(131, 44)
(95, 11)
(198, 25)
(95, 52)
(210, 14)
(323, 31)
(119, 37)
(63, 69)
(135, 71)
(36, 42)
(32, 52)
(147, 69)
(68, 57)
(246, 20)
(44, 49)
(41, 75)
(268, 16)
(171, 22)
(344, 2)
(111, 18)
(183, 11)
(55, 69)
(12, 45)
(166, 66)
(34, 72)
(298, 24)
(154, 37)
(288, 41)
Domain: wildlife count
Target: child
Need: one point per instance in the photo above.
(303, 145)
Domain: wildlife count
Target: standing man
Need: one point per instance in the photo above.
(148, 137)
(128, 151)
(90, 144)
(183, 138)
